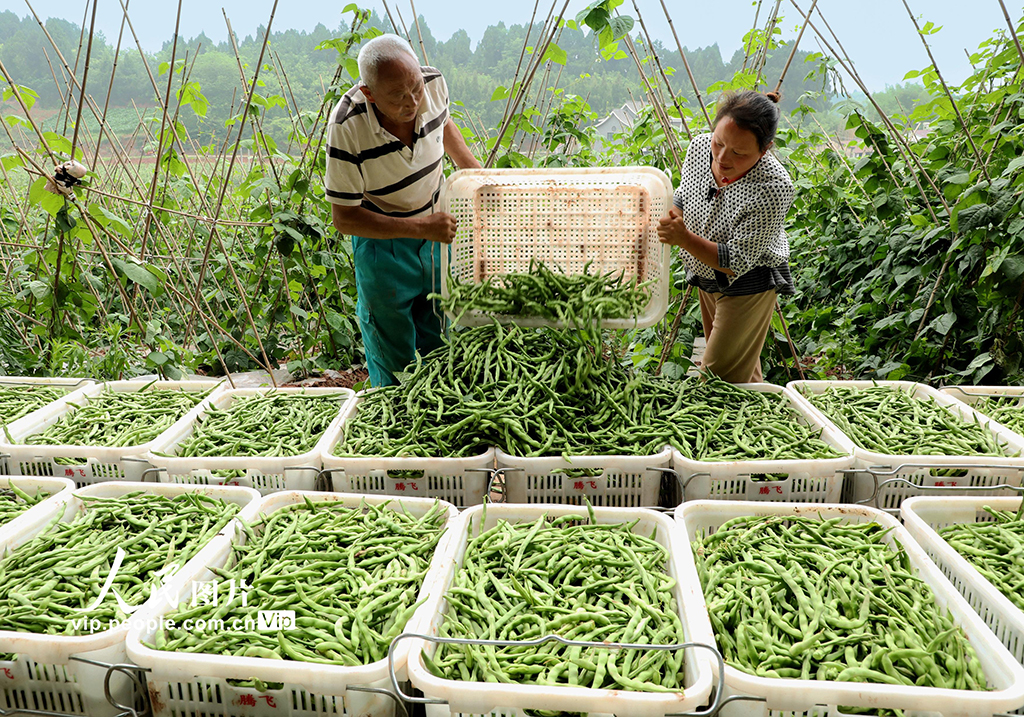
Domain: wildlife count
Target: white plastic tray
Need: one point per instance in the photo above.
(58, 488)
(980, 471)
(43, 672)
(180, 682)
(459, 481)
(564, 218)
(1004, 674)
(924, 517)
(971, 395)
(477, 698)
(808, 481)
(616, 481)
(266, 474)
(102, 463)
(72, 384)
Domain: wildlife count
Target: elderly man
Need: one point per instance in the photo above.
(386, 145)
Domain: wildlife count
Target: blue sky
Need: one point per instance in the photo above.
(877, 34)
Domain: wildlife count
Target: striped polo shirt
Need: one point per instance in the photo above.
(368, 166)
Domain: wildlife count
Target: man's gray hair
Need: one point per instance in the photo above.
(378, 51)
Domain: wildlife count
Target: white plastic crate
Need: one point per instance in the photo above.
(59, 489)
(796, 698)
(565, 218)
(459, 481)
(71, 384)
(487, 698)
(46, 673)
(611, 481)
(867, 481)
(924, 517)
(183, 683)
(971, 395)
(266, 474)
(807, 481)
(101, 463)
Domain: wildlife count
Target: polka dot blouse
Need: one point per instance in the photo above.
(745, 219)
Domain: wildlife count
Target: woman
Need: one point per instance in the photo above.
(728, 215)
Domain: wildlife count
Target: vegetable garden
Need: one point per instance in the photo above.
(483, 538)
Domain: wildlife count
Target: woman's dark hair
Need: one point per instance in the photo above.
(755, 112)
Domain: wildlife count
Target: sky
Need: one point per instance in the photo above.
(877, 34)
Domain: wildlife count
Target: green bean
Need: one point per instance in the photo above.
(575, 300)
(14, 501)
(995, 548)
(351, 575)
(271, 424)
(18, 401)
(49, 584)
(570, 577)
(543, 392)
(796, 596)
(890, 420)
(118, 419)
(1007, 410)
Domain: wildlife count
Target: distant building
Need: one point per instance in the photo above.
(621, 119)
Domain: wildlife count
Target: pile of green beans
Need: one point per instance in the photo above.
(567, 576)
(708, 419)
(14, 501)
(265, 425)
(530, 392)
(114, 418)
(543, 392)
(890, 420)
(580, 300)
(805, 598)
(18, 401)
(995, 549)
(48, 584)
(352, 576)
(1007, 410)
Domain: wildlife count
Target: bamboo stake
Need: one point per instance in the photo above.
(796, 44)
(769, 33)
(408, 37)
(749, 45)
(522, 53)
(78, 56)
(949, 95)
(220, 200)
(792, 346)
(416, 19)
(1013, 31)
(686, 64)
(664, 77)
(394, 25)
(521, 94)
(667, 344)
(659, 110)
(110, 88)
(160, 136)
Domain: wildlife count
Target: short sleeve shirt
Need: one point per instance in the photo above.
(368, 166)
(744, 218)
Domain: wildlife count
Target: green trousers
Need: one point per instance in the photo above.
(393, 279)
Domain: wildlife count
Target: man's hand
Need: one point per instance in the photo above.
(439, 227)
(672, 229)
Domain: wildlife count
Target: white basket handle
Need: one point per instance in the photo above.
(324, 480)
(716, 704)
(134, 673)
(493, 485)
(875, 472)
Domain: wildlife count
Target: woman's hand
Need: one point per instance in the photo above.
(672, 229)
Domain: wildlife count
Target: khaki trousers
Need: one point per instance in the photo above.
(735, 328)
